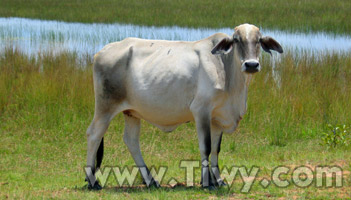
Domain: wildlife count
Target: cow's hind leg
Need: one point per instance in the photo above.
(95, 135)
(216, 138)
(99, 157)
(131, 139)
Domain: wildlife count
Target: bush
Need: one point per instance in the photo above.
(338, 135)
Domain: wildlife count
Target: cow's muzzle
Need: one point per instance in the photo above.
(251, 66)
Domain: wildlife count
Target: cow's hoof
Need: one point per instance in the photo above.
(210, 187)
(94, 187)
(153, 183)
(221, 183)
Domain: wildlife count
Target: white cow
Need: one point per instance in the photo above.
(168, 83)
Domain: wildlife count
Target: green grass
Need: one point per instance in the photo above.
(47, 104)
(292, 15)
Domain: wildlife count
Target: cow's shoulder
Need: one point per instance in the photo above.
(204, 47)
(211, 64)
(217, 37)
(209, 42)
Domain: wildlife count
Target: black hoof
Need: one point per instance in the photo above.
(153, 183)
(210, 187)
(214, 183)
(94, 187)
(221, 183)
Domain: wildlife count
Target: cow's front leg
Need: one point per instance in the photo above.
(216, 138)
(131, 139)
(203, 127)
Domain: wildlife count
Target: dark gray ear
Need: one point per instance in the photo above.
(223, 47)
(269, 43)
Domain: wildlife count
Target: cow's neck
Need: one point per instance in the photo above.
(236, 82)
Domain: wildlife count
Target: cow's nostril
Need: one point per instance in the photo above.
(251, 64)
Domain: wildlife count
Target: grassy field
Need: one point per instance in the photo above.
(47, 104)
(292, 15)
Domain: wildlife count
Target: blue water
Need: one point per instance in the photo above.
(32, 36)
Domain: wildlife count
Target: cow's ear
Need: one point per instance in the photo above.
(269, 43)
(223, 47)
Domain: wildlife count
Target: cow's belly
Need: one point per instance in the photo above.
(161, 90)
(167, 120)
(162, 106)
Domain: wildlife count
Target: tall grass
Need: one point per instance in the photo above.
(312, 92)
(302, 15)
(44, 90)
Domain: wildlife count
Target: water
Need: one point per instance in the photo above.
(32, 36)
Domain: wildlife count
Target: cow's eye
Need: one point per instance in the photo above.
(236, 40)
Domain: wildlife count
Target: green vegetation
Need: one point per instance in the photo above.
(336, 136)
(46, 105)
(292, 15)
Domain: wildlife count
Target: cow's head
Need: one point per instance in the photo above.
(246, 43)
